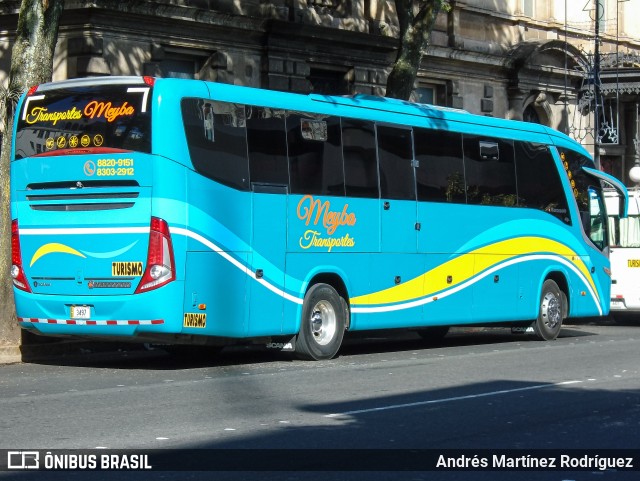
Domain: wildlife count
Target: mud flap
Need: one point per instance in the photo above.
(522, 330)
(284, 344)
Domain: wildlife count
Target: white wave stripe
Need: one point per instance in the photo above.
(362, 310)
(206, 242)
(86, 230)
(437, 296)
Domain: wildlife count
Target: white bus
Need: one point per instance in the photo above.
(624, 239)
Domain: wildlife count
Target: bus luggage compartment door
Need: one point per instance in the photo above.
(268, 263)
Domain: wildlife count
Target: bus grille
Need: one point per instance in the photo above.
(82, 196)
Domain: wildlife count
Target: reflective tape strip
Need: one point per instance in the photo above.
(88, 322)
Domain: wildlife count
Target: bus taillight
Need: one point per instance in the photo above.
(160, 265)
(17, 273)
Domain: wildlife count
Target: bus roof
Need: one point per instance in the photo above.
(369, 107)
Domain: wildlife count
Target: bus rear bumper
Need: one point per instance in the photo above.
(620, 304)
(158, 311)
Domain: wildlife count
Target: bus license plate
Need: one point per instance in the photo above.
(80, 312)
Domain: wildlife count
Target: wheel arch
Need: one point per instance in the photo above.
(336, 281)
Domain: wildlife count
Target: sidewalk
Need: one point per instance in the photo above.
(10, 354)
(62, 350)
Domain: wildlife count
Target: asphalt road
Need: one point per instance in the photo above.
(479, 390)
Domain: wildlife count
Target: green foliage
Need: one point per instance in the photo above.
(416, 19)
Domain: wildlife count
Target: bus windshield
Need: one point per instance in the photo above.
(79, 120)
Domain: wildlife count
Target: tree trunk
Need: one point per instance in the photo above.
(415, 32)
(405, 70)
(31, 64)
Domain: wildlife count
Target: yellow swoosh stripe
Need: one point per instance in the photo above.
(466, 266)
(51, 248)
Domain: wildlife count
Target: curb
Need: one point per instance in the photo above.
(64, 350)
(10, 354)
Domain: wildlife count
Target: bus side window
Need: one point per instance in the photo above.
(217, 140)
(360, 160)
(490, 171)
(589, 197)
(315, 154)
(440, 171)
(267, 146)
(539, 182)
(395, 155)
(597, 221)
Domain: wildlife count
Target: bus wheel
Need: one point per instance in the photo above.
(323, 324)
(547, 325)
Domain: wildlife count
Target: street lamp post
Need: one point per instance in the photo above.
(596, 87)
(634, 172)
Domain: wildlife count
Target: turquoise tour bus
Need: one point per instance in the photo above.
(184, 212)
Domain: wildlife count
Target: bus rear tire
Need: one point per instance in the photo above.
(323, 324)
(550, 313)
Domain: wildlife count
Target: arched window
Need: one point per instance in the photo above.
(530, 115)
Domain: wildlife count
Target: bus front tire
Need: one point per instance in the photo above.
(550, 313)
(323, 324)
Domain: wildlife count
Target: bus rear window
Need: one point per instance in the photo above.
(84, 120)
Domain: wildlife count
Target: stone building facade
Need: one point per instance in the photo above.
(519, 59)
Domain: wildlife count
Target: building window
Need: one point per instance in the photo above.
(172, 68)
(531, 115)
(425, 95)
(529, 8)
(330, 81)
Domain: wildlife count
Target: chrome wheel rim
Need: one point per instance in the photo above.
(551, 310)
(323, 322)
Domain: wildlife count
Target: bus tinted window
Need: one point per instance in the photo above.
(267, 144)
(216, 135)
(112, 117)
(490, 171)
(394, 156)
(539, 183)
(315, 157)
(440, 171)
(587, 191)
(360, 160)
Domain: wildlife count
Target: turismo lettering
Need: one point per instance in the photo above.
(126, 269)
(194, 319)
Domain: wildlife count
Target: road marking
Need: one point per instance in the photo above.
(450, 399)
